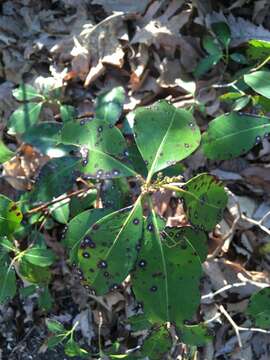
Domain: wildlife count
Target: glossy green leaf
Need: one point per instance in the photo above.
(139, 322)
(7, 244)
(73, 349)
(163, 269)
(241, 103)
(109, 250)
(204, 201)
(233, 134)
(45, 300)
(45, 137)
(39, 256)
(115, 193)
(176, 135)
(103, 148)
(211, 46)
(10, 216)
(55, 326)
(67, 113)
(77, 229)
(5, 153)
(33, 273)
(259, 308)
(258, 50)
(55, 340)
(26, 92)
(157, 344)
(27, 291)
(229, 96)
(23, 118)
(195, 237)
(60, 211)
(239, 58)
(55, 178)
(259, 81)
(109, 105)
(206, 64)
(82, 202)
(8, 280)
(196, 335)
(222, 32)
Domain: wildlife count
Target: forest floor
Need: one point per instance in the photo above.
(147, 47)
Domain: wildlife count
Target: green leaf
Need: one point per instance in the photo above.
(26, 92)
(27, 291)
(103, 149)
(241, 103)
(77, 229)
(163, 269)
(45, 300)
(108, 251)
(195, 237)
(8, 282)
(55, 340)
(45, 137)
(39, 256)
(33, 273)
(67, 113)
(222, 32)
(5, 153)
(60, 211)
(73, 349)
(259, 308)
(259, 81)
(233, 134)
(258, 50)
(211, 46)
(115, 193)
(157, 344)
(206, 64)
(139, 322)
(204, 201)
(229, 96)
(196, 335)
(55, 178)
(23, 118)
(55, 326)
(10, 216)
(176, 135)
(82, 202)
(239, 58)
(109, 105)
(6, 244)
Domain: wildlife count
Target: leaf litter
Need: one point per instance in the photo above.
(151, 48)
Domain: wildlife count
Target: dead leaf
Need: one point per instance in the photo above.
(125, 6)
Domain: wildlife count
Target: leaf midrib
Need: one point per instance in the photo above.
(151, 171)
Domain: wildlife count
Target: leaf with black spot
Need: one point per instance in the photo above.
(77, 229)
(234, 134)
(55, 178)
(204, 201)
(115, 193)
(10, 216)
(157, 344)
(167, 275)
(109, 249)
(103, 149)
(164, 135)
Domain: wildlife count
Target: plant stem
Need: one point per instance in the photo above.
(45, 206)
(261, 64)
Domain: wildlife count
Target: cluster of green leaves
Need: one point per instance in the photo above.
(126, 236)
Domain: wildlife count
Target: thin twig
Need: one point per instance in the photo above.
(234, 325)
(46, 205)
